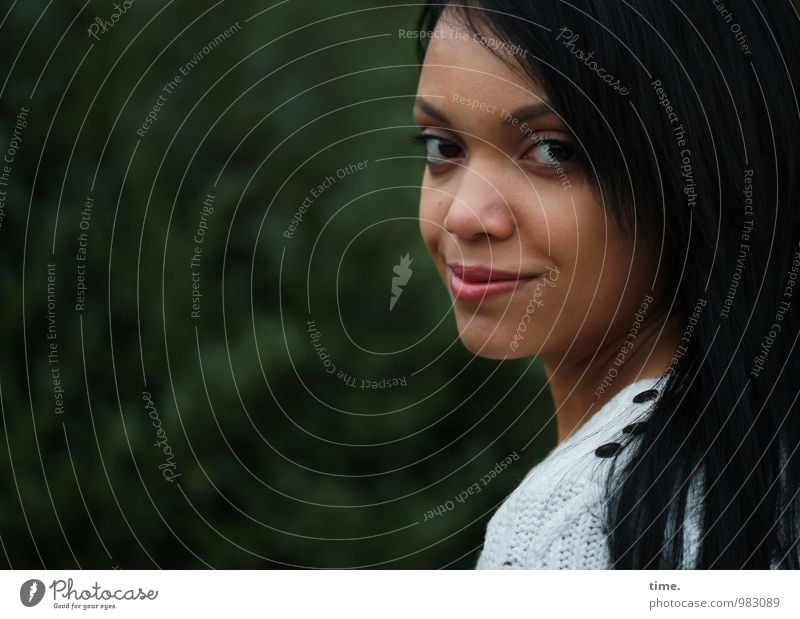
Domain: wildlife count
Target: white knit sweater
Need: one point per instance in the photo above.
(555, 517)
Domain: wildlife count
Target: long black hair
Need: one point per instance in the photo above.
(688, 120)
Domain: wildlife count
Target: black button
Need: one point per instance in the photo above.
(645, 396)
(607, 450)
(635, 428)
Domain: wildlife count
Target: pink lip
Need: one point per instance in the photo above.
(478, 283)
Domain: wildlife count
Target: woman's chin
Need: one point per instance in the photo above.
(495, 345)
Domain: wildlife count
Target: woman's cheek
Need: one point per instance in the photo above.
(430, 224)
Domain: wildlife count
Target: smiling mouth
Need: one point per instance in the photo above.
(478, 283)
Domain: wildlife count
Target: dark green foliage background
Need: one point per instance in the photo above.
(280, 463)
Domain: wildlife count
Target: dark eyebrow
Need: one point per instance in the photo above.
(430, 110)
(519, 116)
(527, 113)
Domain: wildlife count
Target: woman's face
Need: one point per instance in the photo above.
(504, 197)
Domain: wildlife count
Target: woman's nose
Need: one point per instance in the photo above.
(478, 207)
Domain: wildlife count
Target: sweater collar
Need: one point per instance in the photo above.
(631, 404)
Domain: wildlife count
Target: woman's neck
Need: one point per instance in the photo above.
(581, 387)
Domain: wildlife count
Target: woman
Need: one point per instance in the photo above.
(613, 187)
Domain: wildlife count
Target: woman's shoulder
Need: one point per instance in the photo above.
(554, 518)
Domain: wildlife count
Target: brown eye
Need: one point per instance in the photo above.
(551, 152)
(438, 150)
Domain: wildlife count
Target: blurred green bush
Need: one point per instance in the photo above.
(272, 461)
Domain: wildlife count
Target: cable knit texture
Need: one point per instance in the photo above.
(555, 519)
